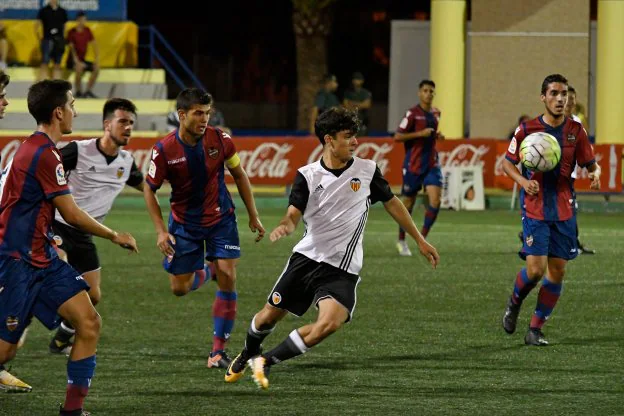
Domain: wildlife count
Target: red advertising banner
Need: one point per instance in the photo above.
(275, 160)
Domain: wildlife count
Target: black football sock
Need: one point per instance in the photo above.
(289, 348)
(255, 337)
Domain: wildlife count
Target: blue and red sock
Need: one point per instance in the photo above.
(79, 375)
(430, 217)
(223, 316)
(202, 276)
(522, 287)
(546, 300)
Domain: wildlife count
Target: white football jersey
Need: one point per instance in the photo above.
(336, 213)
(94, 183)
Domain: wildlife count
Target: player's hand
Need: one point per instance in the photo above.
(279, 232)
(440, 136)
(256, 225)
(595, 178)
(126, 241)
(430, 253)
(427, 132)
(165, 242)
(531, 187)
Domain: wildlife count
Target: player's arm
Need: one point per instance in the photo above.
(297, 202)
(135, 179)
(366, 104)
(586, 159)
(288, 223)
(70, 156)
(405, 131)
(244, 189)
(76, 217)
(512, 158)
(156, 175)
(594, 174)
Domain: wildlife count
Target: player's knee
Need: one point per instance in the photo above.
(326, 328)
(179, 289)
(95, 294)
(226, 278)
(89, 326)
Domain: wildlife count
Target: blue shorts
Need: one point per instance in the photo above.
(220, 242)
(412, 183)
(549, 238)
(27, 291)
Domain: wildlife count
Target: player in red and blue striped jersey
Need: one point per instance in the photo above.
(547, 203)
(33, 280)
(418, 132)
(202, 225)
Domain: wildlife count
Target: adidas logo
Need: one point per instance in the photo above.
(318, 189)
(92, 169)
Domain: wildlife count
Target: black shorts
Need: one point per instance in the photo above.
(70, 64)
(305, 282)
(81, 252)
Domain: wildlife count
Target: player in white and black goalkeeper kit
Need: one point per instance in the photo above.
(333, 197)
(98, 171)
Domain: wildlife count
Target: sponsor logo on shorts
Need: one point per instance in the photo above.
(58, 240)
(276, 298)
(229, 247)
(355, 184)
(12, 322)
(79, 278)
(529, 240)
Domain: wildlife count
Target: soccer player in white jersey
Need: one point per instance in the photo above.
(332, 196)
(98, 171)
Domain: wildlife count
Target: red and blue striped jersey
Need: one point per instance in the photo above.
(30, 181)
(554, 201)
(199, 197)
(420, 153)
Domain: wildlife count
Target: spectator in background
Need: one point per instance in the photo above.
(325, 99)
(522, 119)
(360, 98)
(50, 29)
(79, 39)
(4, 47)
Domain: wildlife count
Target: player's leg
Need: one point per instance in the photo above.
(223, 312)
(58, 49)
(78, 72)
(8, 382)
(433, 187)
(409, 190)
(95, 71)
(535, 246)
(223, 246)
(562, 248)
(187, 271)
(291, 293)
(46, 50)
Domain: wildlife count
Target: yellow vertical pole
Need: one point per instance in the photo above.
(447, 63)
(610, 72)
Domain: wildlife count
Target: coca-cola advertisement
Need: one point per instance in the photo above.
(275, 160)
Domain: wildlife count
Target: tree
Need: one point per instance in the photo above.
(312, 24)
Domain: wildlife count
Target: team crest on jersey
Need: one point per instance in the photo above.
(529, 240)
(571, 138)
(60, 175)
(213, 153)
(120, 172)
(355, 184)
(276, 297)
(12, 322)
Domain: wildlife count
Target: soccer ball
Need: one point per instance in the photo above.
(540, 152)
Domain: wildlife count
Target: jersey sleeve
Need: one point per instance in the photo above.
(299, 193)
(70, 156)
(157, 172)
(136, 176)
(407, 123)
(513, 151)
(584, 152)
(380, 190)
(50, 174)
(231, 157)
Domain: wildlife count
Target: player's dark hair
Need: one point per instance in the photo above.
(552, 78)
(335, 120)
(426, 82)
(192, 96)
(45, 96)
(117, 104)
(571, 89)
(4, 79)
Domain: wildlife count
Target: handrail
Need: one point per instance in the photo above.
(155, 35)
